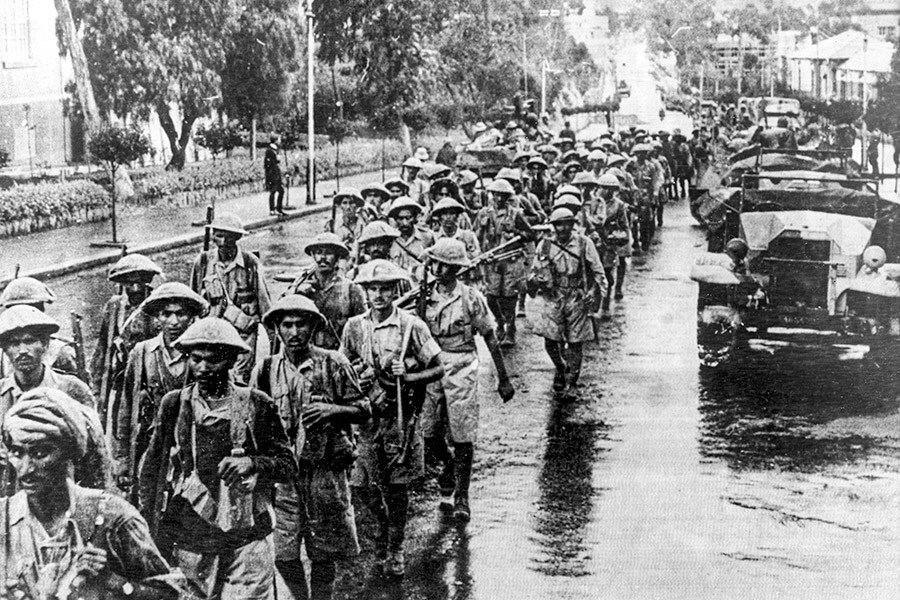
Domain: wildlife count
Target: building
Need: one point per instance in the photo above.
(880, 18)
(847, 66)
(34, 128)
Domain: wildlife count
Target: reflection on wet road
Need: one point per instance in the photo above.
(774, 477)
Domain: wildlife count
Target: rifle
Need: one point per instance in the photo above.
(18, 268)
(207, 239)
(78, 344)
(504, 251)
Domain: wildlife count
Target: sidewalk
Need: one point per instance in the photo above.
(147, 230)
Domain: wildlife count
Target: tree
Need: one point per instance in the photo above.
(114, 146)
(256, 81)
(162, 55)
(217, 137)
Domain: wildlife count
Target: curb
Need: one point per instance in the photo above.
(105, 258)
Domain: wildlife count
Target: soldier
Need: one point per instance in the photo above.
(454, 313)
(155, 368)
(377, 201)
(121, 327)
(659, 159)
(683, 168)
(593, 211)
(540, 181)
(232, 281)
(616, 233)
(396, 357)
(597, 162)
(336, 297)
(447, 213)
(29, 291)
(495, 225)
(24, 337)
(471, 199)
(207, 479)
(318, 399)
(397, 187)
(410, 173)
(63, 540)
(570, 277)
(351, 225)
(408, 248)
(648, 179)
(446, 188)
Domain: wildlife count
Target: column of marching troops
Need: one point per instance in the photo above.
(197, 463)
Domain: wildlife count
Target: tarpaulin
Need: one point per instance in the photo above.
(851, 234)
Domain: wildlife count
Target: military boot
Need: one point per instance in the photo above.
(464, 455)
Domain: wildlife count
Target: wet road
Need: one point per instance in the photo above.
(776, 477)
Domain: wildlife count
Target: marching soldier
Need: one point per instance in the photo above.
(207, 479)
(447, 188)
(121, 327)
(231, 280)
(377, 200)
(24, 337)
(29, 291)
(336, 297)
(648, 182)
(471, 199)
(318, 399)
(155, 368)
(455, 313)
(351, 225)
(396, 357)
(496, 224)
(63, 540)
(569, 275)
(447, 213)
(408, 248)
(616, 236)
(397, 187)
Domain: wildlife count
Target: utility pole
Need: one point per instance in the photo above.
(524, 61)
(865, 99)
(310, 95)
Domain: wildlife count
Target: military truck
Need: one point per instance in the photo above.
(799, 259)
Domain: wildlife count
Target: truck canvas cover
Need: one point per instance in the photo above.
(851, 234)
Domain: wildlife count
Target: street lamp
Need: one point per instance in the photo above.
(865, 97)
(310, 94)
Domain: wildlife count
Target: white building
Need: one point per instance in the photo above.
(838, 67)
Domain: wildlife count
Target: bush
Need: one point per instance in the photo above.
(4, 158)
(51, 199)
(217, 137)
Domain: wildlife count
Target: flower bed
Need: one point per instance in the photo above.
(30, 208)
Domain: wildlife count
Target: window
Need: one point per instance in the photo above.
(14, 42)
(886, 32)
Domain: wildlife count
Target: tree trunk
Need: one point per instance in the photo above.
(253, 138)
(82, 72)
(405, 138)
(178, 143)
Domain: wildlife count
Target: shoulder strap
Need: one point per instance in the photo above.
(264, 381)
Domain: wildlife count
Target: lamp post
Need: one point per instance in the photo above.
(310, 94)
(865, 99)
(817, 69)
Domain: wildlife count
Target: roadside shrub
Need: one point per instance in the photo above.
(64, 200)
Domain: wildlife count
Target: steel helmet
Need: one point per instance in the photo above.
(397, 182)
(292, 303)
(449, 251)
(567, 189)
(330, 241)
(537, 161)
(413, 163)
(421, 153)
(212, 331)
(447, 205)
(225, 222)
(25, 318)
(26, 290)
(509, 174)
(522, 154)
(561, 215)
(609, 180)
(444, 184)
(584, 178)
(377, 230)
(379, 270)
(404, 203)
(437, 171)
(642, 147)
(570, 201)
(573, 165)
(571, 155)
(131, 264)
(616, 159)
(351, 193)
(467, 177)
(597, 155)
(738, 247)
(874, 257)
(501, 186)
(376, 188)
(171, 292)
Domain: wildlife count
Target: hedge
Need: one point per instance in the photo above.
(29, 208)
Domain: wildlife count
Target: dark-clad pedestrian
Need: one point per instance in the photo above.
(155, 368)
(62, 540)
(446, 155)
(274, 180)
(318, 399)
(396, 358)
(207, 478)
